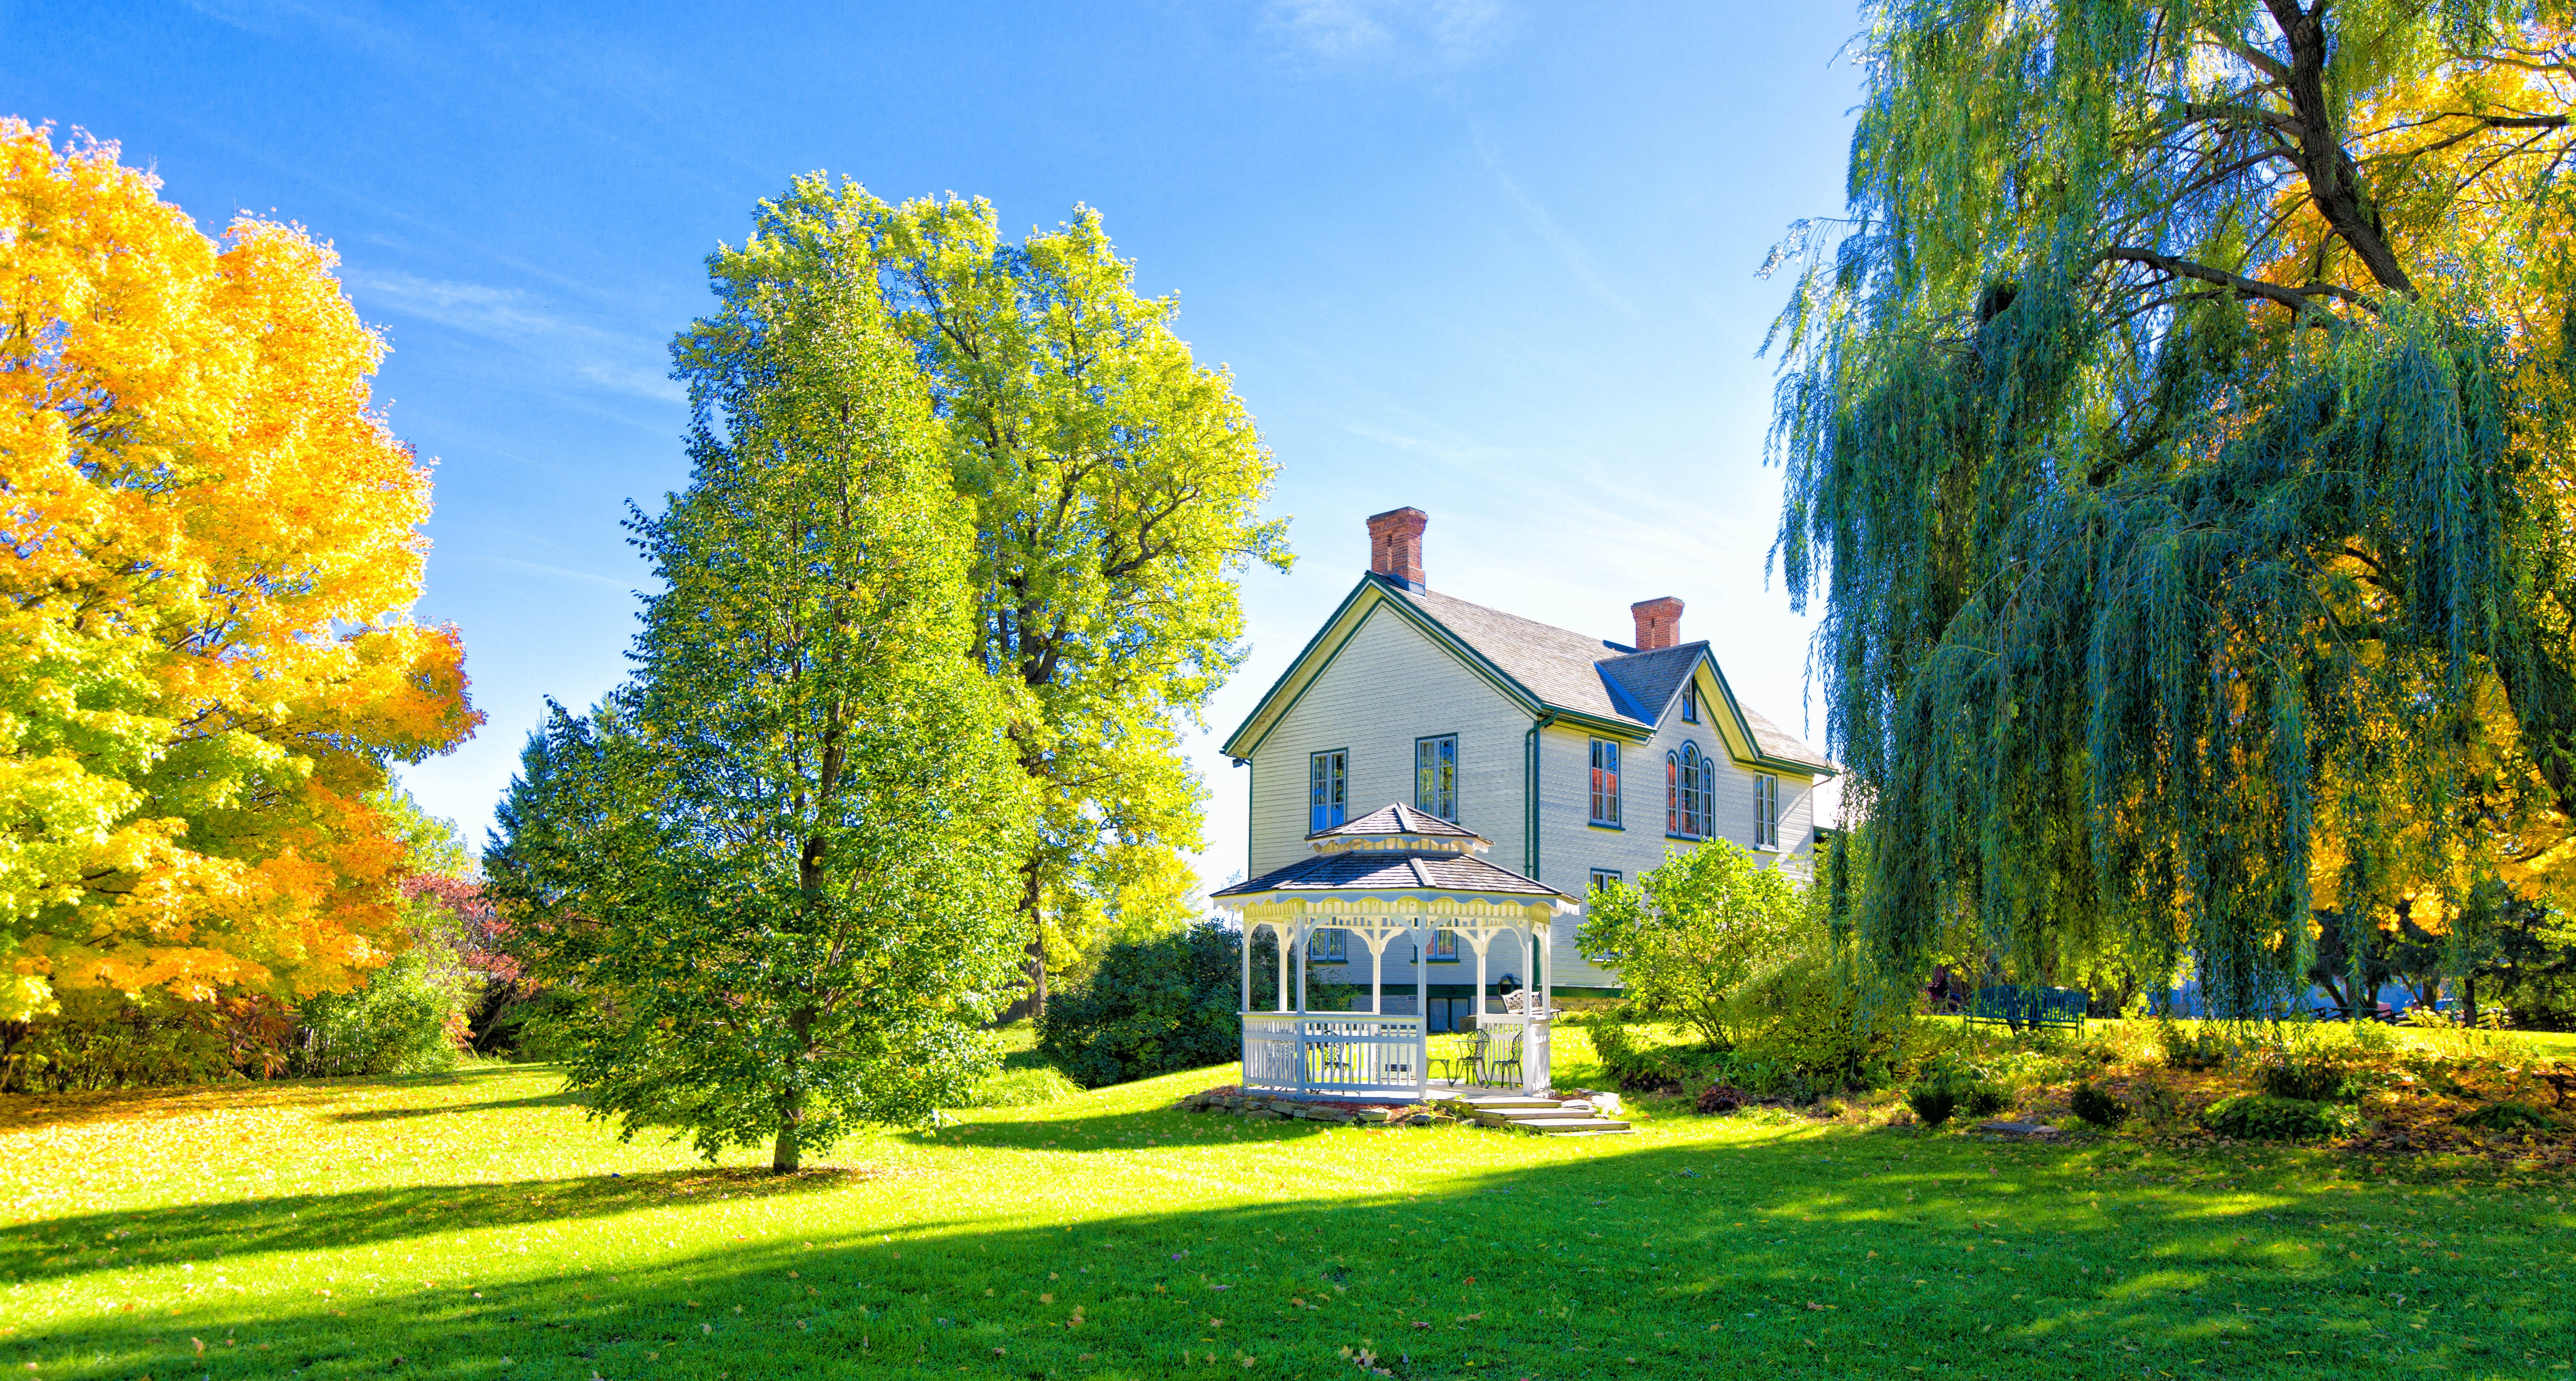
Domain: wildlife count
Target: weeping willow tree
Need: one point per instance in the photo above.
(2176, 439)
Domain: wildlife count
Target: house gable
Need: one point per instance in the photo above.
(1370, 696)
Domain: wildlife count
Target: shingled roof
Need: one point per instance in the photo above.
(1376, 872)
(1589, 675)
(1442, 859)
(1401, 819)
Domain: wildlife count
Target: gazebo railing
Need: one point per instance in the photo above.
(1332, 1052)
(1535, 1043)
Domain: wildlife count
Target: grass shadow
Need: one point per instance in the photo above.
(563, 1099)
(306, 1222)
(1804, 1255)
(1794, 1248)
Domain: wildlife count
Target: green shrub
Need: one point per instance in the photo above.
(2196, 1047)
(410, 1018)
(1636, 1065)
(1932, 1102)
(1951, 1085)
(1827, 1020)
(1691, 935)
(2309, 1075)
(2508, 1116)
(2266, 1117)
(2098, 1105)
(104, 1041)
(1153, 1006)
(1022, 1088)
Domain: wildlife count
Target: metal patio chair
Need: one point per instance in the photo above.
(1509, 1059)
(1472, 1059)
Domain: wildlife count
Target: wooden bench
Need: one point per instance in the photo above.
(2029, 1007)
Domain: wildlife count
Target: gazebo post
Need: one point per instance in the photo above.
(1279, 933)
(1245, 988)
(1302, 1082)
(1482, 939)
(1377, 972)
(1530, 1049)
(1305, 980)
(1421, 1008)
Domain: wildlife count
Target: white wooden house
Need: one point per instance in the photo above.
(1577, 757)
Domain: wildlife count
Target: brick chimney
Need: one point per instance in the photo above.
(1659, 623)
(1395, 546)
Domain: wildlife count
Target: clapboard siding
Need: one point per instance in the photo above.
(1387, 686)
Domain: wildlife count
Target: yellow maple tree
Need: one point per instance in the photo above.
(209, 542)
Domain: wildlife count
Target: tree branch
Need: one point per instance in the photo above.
(2300, 299)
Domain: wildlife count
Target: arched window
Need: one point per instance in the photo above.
(1706, 802)
(1694, 819)
(1672, 793)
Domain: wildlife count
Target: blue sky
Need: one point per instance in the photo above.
(1491, 258)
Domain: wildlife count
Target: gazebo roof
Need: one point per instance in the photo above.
(1397, 851)
(1401, 819)
(1399, 829)
(1383, 873)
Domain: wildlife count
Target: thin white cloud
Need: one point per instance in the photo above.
(511, 563)
(1555, 236)
(1341, 31)
(624, 364)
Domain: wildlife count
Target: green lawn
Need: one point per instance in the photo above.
(476, 1226)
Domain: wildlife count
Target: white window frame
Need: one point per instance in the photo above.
(1766, 811)
(1328, 947)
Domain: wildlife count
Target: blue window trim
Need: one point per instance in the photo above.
(1315, 809)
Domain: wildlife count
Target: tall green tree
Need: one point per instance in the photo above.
(773, 872)
(1118, 488)
(2176, 438)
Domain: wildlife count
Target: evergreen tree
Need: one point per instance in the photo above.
(2176, 438)
(773, 872)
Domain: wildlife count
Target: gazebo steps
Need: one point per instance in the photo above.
(1570, 1126)
(1537, 1115)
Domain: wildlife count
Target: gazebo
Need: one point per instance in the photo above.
(1395, 874)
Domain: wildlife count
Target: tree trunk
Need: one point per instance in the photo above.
(1036, 932)
(788, 1154)
(2469, 1000)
